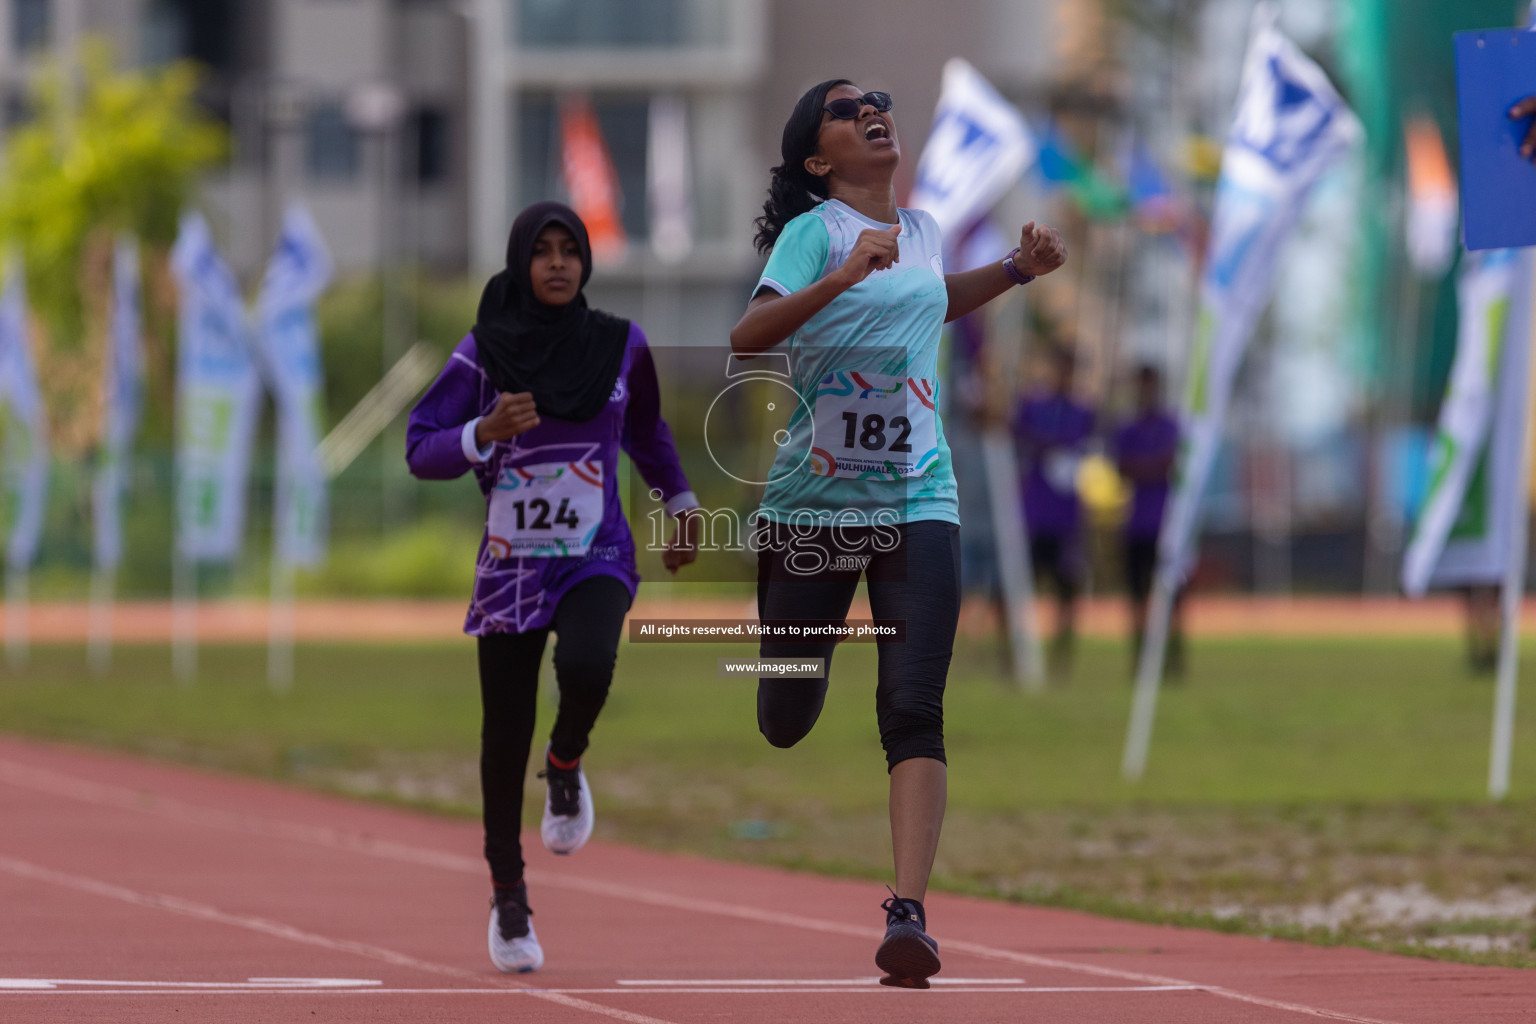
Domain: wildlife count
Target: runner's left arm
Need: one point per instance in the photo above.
(647, 439)
(1041, 250)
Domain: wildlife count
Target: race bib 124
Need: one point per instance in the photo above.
(547, 510)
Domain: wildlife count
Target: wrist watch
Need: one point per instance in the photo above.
(1015, 275)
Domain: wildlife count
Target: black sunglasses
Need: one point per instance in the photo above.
(847, 109)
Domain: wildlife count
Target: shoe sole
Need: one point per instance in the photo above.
(907, 960)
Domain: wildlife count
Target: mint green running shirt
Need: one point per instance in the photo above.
(888, 324)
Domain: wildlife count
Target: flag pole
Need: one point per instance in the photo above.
(280, 625)
(99, 651)
(17, 628)
(1502, 746)
(1149, 679)
(183, 618)
(1010, 533)
(1014, 570)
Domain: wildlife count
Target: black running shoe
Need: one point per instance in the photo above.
(564, 789)
(907, 956)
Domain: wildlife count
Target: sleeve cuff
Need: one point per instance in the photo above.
(681, 502)
(467, 443)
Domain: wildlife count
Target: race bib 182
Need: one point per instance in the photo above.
(874, 426)
(548, 510)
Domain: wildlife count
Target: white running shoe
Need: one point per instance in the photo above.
(568, 814)
(513, 953)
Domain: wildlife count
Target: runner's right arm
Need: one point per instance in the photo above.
(785, 300)
(440, 442)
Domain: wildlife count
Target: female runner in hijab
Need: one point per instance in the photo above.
(857, 289)
(537, 401)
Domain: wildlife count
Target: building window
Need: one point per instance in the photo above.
(628, 24)
(623, 121)
(15, 110)
(203, 31)
(331, 143)
(29, 25)
(427, 146)
(165, 33)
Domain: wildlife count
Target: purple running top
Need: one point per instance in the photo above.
(514, 593)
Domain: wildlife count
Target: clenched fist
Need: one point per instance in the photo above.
(512, 415)
(684, 547)
(872, 251)
(1041, 249)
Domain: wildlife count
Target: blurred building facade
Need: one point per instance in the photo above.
(416, 128)
(738, 66)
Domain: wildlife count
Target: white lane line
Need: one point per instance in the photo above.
(872, 980)
(542, 992)
(57, 783)
(283, 984)
(276, 929)
(759, 916)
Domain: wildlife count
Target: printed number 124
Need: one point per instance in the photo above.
(541, 521)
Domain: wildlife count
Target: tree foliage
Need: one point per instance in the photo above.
(120, 151)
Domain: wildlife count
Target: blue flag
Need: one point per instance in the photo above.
(977, 149)
(290, 350)
(217, 400)
(123, 388)
(1290, 126)
(26, 425)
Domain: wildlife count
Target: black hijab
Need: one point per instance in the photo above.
(569, 356)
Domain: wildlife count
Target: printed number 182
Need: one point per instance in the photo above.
(872, 436)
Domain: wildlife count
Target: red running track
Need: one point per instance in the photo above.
(134, 891)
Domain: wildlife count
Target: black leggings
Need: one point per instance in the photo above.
(918, 582)
(588, 622)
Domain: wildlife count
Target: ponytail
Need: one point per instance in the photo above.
(793, 190)
(789, 195)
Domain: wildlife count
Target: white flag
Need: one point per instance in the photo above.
(1289, 127)
(300, 269)
(26, 425)
(668, 180)
(977, 149)
(123, 394)
(1465, 526)
(217, 396)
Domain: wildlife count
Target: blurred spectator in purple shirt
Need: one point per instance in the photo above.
(1145, 450)
(1053, 432)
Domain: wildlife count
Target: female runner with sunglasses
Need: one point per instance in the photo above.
(857, 288)
(537, 401)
